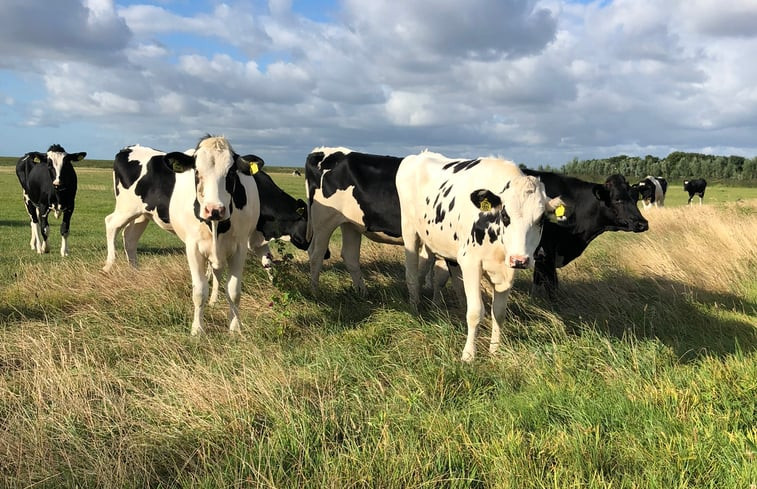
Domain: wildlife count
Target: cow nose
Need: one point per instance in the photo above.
(640, 226)
(215, 213)
(518, 261)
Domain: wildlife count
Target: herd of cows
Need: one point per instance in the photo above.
(466, 218)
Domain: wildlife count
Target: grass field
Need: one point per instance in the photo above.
(643, 374)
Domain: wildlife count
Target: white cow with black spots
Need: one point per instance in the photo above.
(485, 214)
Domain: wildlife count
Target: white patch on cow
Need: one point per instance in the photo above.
(432, 198)
(56, 157)
(328, 151)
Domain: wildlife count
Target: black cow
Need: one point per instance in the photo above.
(695, 187)
(596, 208)
(49, 184)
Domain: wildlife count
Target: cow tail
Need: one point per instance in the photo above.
(308, 204)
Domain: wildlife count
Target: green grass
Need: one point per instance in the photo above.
(639, 376)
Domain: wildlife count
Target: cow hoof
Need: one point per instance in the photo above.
(468, 356)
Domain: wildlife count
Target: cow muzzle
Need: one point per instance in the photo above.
(519, 261)
(214, 212)
(640, 226)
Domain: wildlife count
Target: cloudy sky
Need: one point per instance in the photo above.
(536, 81)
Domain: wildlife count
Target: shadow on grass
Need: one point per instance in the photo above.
(694, 322)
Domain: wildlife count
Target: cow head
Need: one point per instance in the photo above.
(59, 163)
(521, 209)
(217, 169)
(617, 202)
(646, 189)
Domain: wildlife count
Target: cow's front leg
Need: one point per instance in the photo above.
(475, 306)
(199, 286)
(502, 279)
(234, 288)
(42, 228)
(65, 227)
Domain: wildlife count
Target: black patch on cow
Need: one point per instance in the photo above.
(461, 165)
(373, 178)
(451, 204)
(454, 236)
(440, 213)
(56, 148)
(156, 187)
(235, 188)
(125, 171)
(492, 234)
(482, 225)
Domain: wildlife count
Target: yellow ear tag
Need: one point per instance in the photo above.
(253, 168)
(560, 211)
(485, 205)
(36, 159)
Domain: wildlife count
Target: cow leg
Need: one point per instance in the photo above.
(351, 239)
(499, 310)
(42, 231)
(259, 246)
(475, 307)
(199, 285)
(439, 276)
(319, 245)
(411, 243)
(132, 231)
(65, 227)
(545, 273)
(31, 209)
(114, 223)
(215, 277)
(234, 288)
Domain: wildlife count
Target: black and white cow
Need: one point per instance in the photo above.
(596, 208)
(353, 191)
(209, 199)
(652, 191)
(49, 184)
(484, 214)
(281, 215)
(356, 192)
(695, 187)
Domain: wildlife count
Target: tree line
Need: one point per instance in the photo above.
(677, 166)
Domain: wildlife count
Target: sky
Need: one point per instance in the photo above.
(540, 82)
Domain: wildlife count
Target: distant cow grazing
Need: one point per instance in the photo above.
(484, 214)
(695, 187)
(652, 191)
(209, 199)
(49, 184)
(296, 173)
(596, 208)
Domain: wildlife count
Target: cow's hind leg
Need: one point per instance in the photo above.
(319, 245)
(43, 227)
(114, 223)
(132, 231)
(351, 239)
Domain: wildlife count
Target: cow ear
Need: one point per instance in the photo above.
(38, 157)
(601, 192)
(249, 164)
(179, 162)
(78, 156)
(485, 200)
(557, 210)
(302, 208)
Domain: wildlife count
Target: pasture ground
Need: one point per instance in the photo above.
(643, 374)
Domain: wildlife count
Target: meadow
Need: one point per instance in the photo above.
(641, 374)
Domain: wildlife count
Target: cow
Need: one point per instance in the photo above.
(695, 187)
(651, 191)
(209, 199)
(296, 173)
(596, 208)
(484, 214)
(281, 215)
(356, 192)
(49, 183)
